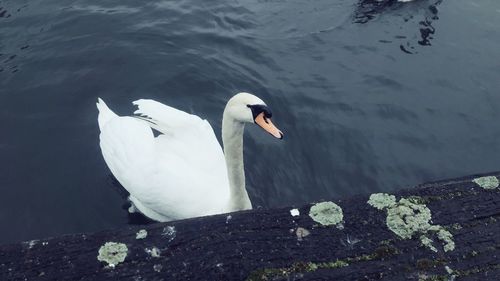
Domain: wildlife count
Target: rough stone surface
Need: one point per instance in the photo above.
(262, 244)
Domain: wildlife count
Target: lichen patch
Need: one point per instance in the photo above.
(169, 232)
(427, 242)
(382, 200)
(445, 236)
(112, 253)
(154, 252)
(293, 271)
(408, 218)
(157, 267)
(30, 244)
(141, 234)
(326, 213)
(301, 233)
(490, 182)
(448, 269)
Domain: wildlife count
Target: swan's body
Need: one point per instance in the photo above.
(182, 172)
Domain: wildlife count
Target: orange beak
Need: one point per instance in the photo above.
(266, 124)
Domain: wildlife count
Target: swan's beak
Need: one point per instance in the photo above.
(266, 124)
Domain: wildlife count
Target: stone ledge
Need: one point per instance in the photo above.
(363, 242)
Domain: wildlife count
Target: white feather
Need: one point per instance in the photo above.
(179, 174)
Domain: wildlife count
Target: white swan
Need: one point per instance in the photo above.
(183, 172)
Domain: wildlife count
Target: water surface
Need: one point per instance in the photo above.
(371, 96)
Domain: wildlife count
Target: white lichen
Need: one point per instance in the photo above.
(112, 253)
(427, 242)
(157, 267)
(154, 252)
(448, 269)
(487, 182)
(408, 218)
(141, 234)
(445, 236)
(228, 218)
(382, 200)
(326, 213)
(30, 244)
(294, 212)
(301, 233)
(169, 232)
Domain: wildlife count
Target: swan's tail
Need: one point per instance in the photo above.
(105, 114)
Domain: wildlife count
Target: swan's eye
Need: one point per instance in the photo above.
(260, 108)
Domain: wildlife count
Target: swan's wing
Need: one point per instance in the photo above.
(127, 145)
(185, 135)
(179, 174)
(167, 119)
(195, 170)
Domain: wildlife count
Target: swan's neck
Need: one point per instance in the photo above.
(232, 139)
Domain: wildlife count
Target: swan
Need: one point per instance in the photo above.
(183, 172)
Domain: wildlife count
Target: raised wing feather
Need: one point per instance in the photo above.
(166, 119)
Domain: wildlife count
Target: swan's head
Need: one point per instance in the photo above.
(247, 108)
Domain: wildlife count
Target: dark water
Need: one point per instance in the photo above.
(371, 96)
